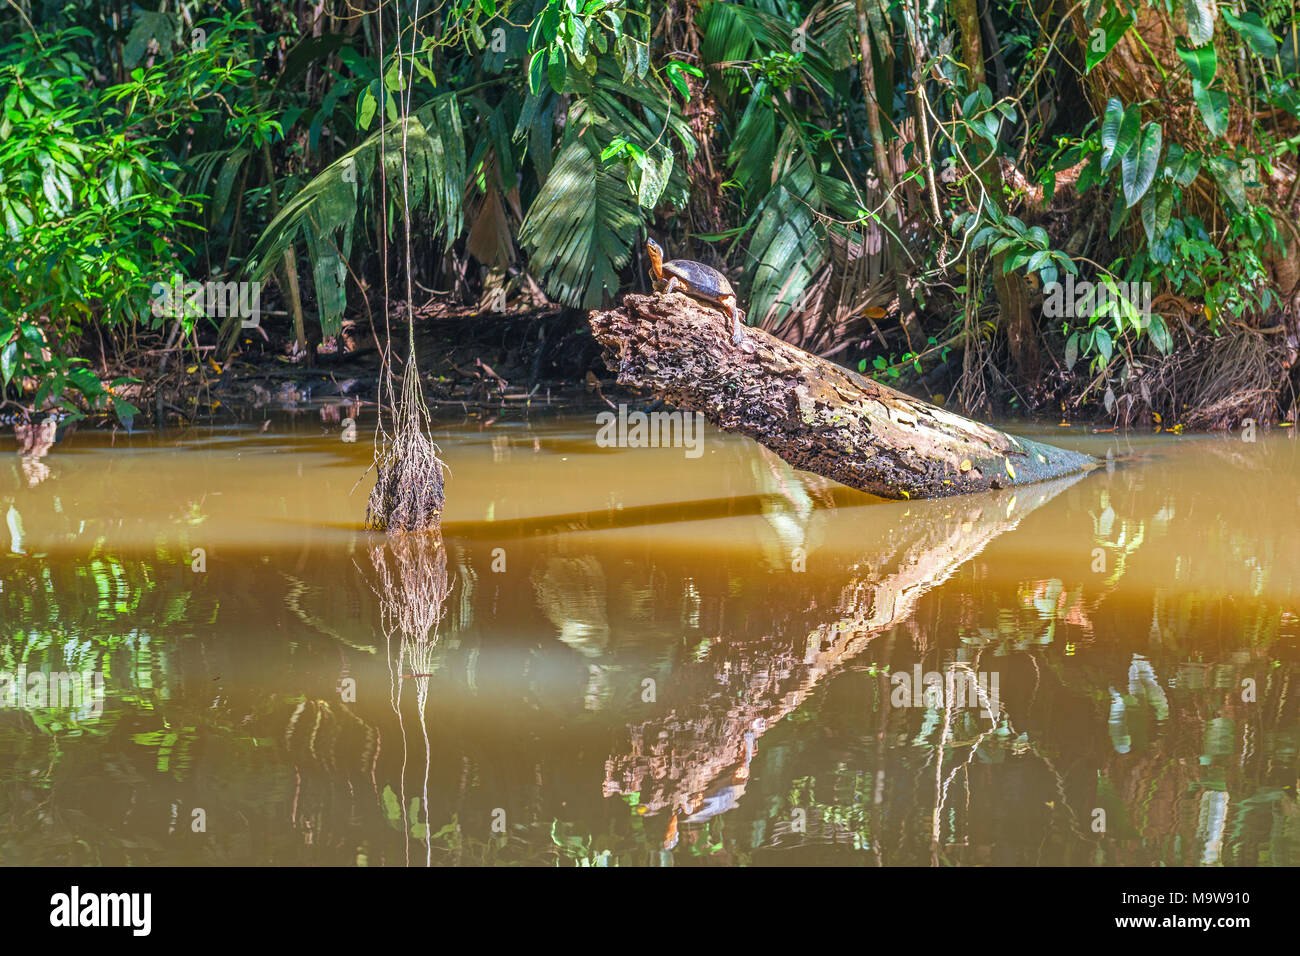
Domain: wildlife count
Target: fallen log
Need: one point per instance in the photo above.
(815, 414)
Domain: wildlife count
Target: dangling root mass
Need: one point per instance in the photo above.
(408, 494)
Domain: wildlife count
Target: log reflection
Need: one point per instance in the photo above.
(692, 759)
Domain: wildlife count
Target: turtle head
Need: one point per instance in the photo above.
(656, 255)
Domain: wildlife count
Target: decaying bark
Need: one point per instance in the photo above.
(816, 415)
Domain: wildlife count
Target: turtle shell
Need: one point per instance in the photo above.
(700, 280)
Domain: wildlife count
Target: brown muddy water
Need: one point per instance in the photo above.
(643, 656)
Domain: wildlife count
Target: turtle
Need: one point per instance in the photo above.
(699, 282)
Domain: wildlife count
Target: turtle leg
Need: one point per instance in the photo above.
(673, 283)
(728, 302)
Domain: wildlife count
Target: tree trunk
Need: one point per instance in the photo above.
(816, 415)
(1012, 295)
(893, 227)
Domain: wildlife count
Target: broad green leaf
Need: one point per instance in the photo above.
(1119, 130)
(1201, 60)
(1071, 350)
(1118, 215)
(1102, 340)
(149, 25)
(991, 126)
(1103, 37)
(1159, 333)
(124, 411)
(1228, 175)
(1199, 15)
(656, 167)
(1289, 55)
(1149, 217)
(367, 105)
(557, 69)
(1140, 164)
(225, 182)
(536, 72)
(1015, 261)
(1156, 210)
(1253, 31)
(1213, 105)
(1181, 166)
(9, 361)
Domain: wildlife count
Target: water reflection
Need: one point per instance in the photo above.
(615, 659)
(412, 587)
(698, 752)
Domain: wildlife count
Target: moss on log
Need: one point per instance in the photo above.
(815, 414)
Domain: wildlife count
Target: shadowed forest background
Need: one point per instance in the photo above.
(892, 184)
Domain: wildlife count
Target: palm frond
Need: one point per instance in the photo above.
(788, 244)
(580, 228)
(735, 33)
(324, 211)
(784, 246)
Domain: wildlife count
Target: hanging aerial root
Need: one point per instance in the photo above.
(408, 494)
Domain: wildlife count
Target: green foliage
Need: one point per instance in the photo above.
(324, 212)
(227, 147)
(87, 208)
(581, 227)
